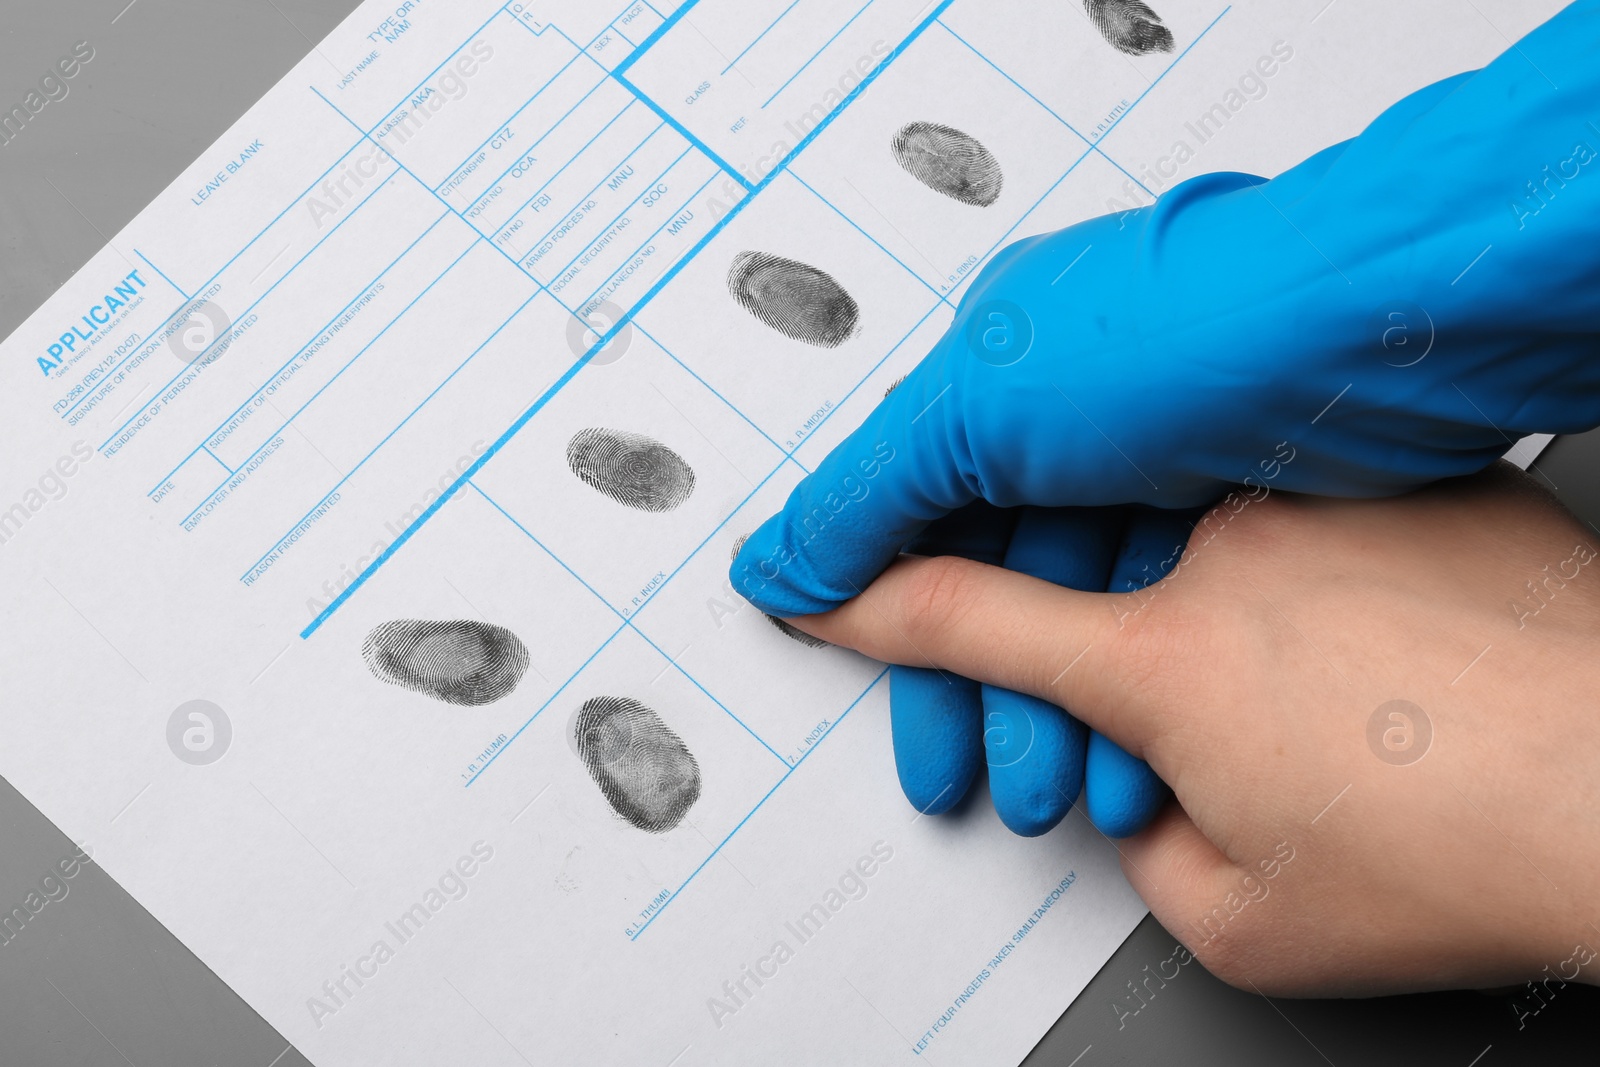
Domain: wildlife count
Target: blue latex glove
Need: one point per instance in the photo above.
(1396, 309)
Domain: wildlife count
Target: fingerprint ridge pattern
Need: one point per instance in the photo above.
(796, 299)
(1130, 25)
(457, 661)
(630, 468)
(949, 161)
(642, 768)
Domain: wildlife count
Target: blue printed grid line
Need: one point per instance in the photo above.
(598, 85)
(620, 33)
(650, 41)
(625, 624)
(600, 82)
(1162, 76)
(526, 104)
(317, 181)
(648, 922)
(234, 258)
(593, 189)
(300, 352)
(576, 156)
(707, 386)
(666, 277)
(670, 218)
(303, 193)
(824, 48)
(1093, 146)
(682, 130)
(735, 60)
(1053, 114)
(856, 226)
(628, 623)
(401, 424)
(621, 629)
(781, 166)
(480, 234)
(618, 216)
(407, 171)
(161, 272)
(935, 306)
(289, 420)
(759, 804)
(788, 457)
(200, 357)
(452, 54)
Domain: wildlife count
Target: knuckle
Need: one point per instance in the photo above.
(938, 593)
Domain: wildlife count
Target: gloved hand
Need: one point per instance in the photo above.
(1398, 308)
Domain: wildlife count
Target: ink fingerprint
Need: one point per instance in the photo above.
(631, 468)
(783, 626)
(895, 385)
(643, 769)
(797, 300)
(458, 661)
(1130, 26)
(949, 162)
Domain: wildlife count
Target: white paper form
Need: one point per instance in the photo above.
(442, 331)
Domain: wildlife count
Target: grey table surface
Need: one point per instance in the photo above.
(95, 980)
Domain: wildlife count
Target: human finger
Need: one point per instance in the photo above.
(936, 716)
(1035, 749)
(1121, 793)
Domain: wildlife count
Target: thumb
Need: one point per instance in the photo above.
(1009, 630)
(1182, 876)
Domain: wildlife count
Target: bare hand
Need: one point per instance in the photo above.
(1326, 839)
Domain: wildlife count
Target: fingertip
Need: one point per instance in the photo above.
(936, 726)
(1121, 793)
(772, 575)
(1035, 754)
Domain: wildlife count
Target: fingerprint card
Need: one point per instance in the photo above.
(366, 520)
